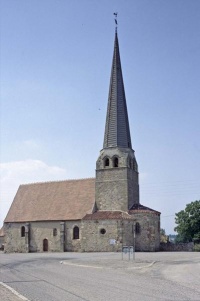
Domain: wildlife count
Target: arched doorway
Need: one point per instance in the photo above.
(45, 245)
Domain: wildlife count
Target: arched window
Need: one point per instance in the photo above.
(115, 162)
(22, 231)
(137, 228)
(54, 232)
(106, 162)
(76, 232)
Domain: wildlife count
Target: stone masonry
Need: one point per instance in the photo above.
(116, 188)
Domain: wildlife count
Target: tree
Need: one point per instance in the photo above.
(163, 237)
(188, 223)
(162, 231)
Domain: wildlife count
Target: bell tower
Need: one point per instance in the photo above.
(117, 186)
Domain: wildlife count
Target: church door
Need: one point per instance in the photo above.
(45, 245)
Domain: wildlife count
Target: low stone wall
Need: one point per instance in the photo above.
(171, 247)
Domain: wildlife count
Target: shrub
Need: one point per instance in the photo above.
(197, 248)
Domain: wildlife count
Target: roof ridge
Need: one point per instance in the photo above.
(111, 210)
(56, 181)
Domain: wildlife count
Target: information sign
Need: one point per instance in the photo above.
(112, 241)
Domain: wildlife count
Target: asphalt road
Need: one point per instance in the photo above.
(103, 276)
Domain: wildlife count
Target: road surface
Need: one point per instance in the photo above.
(103, 276)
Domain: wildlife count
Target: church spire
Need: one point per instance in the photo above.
(117, 133)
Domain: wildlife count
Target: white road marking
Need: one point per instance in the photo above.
(81, 265)
(14, 292)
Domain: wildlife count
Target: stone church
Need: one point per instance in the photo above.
(89, 215)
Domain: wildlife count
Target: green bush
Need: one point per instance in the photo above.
(197, 248)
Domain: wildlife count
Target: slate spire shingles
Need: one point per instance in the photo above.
(117, 132)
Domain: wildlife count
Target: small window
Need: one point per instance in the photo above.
(137, 228)
(115, 162)
(103, 231)
(22, 231)
(55, 232)
(107, 162)
(76, 232)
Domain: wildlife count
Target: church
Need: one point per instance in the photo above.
(100, 214)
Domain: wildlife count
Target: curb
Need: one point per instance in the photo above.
(108, 267)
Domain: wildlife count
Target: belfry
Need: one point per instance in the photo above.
(89, 215)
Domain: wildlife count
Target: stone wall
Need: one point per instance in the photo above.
(13, 240)
(101, 236)
(172, 247)
(133, 187)
(148, 237)
(128, 233)
(94, 235)
(52, 236)
(63, 241)
(116, 187)
(33, 241)
(44, 230)
(71, 244)
(119, 231)
(111, 189)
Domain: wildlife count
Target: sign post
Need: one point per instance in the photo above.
(128, 250)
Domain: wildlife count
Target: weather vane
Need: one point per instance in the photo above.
(115, 14)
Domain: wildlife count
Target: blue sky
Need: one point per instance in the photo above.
(55, 67)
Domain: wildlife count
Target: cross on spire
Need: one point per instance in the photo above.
(116, 23)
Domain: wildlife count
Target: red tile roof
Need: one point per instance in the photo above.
(2, 232)
(62, 200)
(141, 208)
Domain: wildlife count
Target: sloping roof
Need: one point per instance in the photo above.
(102, 215)
(141, 208)
(2, 232)
(117, 132)
(62, 200)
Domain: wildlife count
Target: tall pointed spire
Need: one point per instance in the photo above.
(116, 185)
(117, 132)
